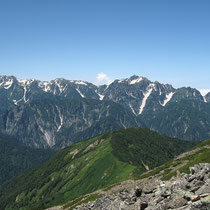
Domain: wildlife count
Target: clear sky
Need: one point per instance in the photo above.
(164, 40)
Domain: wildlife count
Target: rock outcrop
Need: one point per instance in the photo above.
(185, 191)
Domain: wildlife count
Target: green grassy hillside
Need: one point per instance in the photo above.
(181, 163)
(197, 154)
(88, 166)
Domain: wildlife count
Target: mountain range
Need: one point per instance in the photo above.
(60, 112)
(134, 92)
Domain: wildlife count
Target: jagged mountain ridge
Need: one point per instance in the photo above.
(59, 123)
(18, 92)
(134, 92)
(182, 112)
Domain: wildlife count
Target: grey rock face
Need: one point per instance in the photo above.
(154, 194)
(60, 123)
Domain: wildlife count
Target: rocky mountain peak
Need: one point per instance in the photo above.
(7, 81)
(136, 77)
(25, 82)
(132, 80)
(188, 93)
(5, 77)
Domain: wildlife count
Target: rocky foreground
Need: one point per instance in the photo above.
(185, 191)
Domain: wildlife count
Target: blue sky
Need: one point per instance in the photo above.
(164, 40)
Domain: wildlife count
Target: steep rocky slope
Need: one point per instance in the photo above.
(184, 119)
(189, 192)
(59, 123)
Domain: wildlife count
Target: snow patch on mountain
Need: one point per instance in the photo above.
(203, 92)
(120, 81)
(60, 86)
(168, 98)
(204, 99)
(132, 109)
(122, 124)
(8, 84)
(24, 82)
(80, 92)
(132, 82)
(146, 96)
(24, 95)
(16, 102)
(185, 128)
(101, 97)
(79, 82)
(61, 119)
(44, 86)
(107, 86)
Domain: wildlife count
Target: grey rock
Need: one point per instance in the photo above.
(143, 206)
(138, 192)
(148, 189)
(195, 185)
(176, 203)
(203, 189)
(154, 194)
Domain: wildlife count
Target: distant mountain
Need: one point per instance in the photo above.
(186, 119)
(135, 92)
(16, 157)
(59, 123)
(182, 112)
(88, 166)
(16, 92)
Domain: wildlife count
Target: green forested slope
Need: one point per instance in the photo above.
(16, 157)
(197, 154)
(88, 166)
